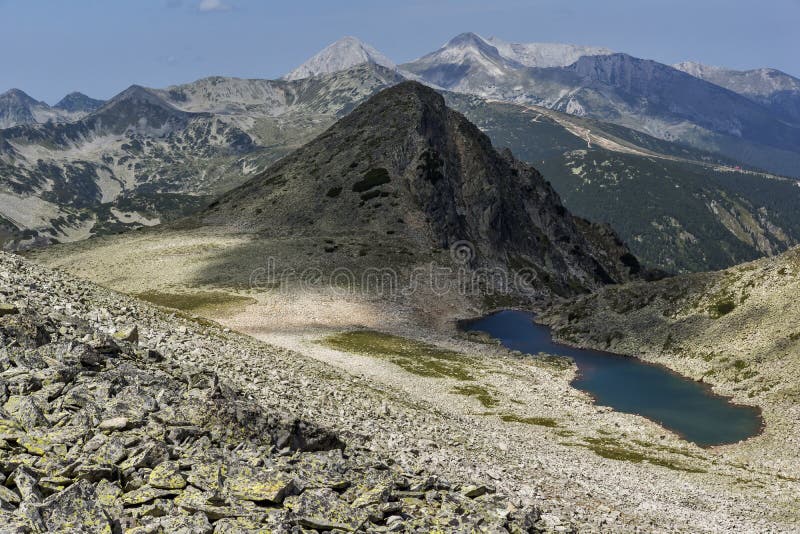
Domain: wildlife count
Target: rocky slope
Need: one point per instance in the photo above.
(770, 87)
(420, 391)
(404, 166)
(110, 423)
(545, 54)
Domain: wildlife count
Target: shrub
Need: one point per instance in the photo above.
(722, 307)
(373, 178)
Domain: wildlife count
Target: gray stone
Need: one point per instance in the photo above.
(75, 510)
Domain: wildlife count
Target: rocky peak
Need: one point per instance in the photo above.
(17, 107)
(404, 156)
(78, 102)
(469, 48)
(138, 109)
(18, 96)
(343, 54)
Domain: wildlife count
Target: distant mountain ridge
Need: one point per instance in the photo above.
(150, 155)
(545, 54)
(17, 107)
(645, 95)
(770, 87)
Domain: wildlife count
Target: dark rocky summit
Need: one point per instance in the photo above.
(404, 165)
(101, 432)
(78, 102)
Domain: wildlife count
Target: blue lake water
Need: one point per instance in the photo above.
(631, 385)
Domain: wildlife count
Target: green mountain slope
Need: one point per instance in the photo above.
(678, 208)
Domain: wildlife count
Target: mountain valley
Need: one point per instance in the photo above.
(261, 268)
(307, 304)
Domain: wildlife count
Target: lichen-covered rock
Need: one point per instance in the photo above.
(128, 333)
(322, 509)
(262, 485)
(75, 510)
(167, 475)
(26, 411)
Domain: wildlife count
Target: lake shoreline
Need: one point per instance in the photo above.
(700, 390)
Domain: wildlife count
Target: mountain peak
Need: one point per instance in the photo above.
(78, 102)
(139, 108)
(18, 95)
(17, 107)
(467, 55)
(139, 95)
(466, 38)
(345, 53)
(468, 41)
(405, 169)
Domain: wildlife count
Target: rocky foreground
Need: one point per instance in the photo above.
(106, 426)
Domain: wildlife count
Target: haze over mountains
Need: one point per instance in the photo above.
(677, 139)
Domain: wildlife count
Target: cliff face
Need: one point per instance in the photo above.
(403, 164)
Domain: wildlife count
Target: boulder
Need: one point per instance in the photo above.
(75, 510)
(167, 475)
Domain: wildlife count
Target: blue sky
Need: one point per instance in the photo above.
(51, 47)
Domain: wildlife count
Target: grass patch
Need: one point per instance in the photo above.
(198, 302)
(549, 422)
(559, 363)
(667, 448)
(613, 450)
(479, 392)
(413, 356)
(494, 301)
(477, 336)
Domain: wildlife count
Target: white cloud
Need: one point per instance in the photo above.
(213, 5)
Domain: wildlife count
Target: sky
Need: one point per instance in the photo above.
(100, 47)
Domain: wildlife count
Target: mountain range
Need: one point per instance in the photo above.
(151, 155)
(644, 95)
